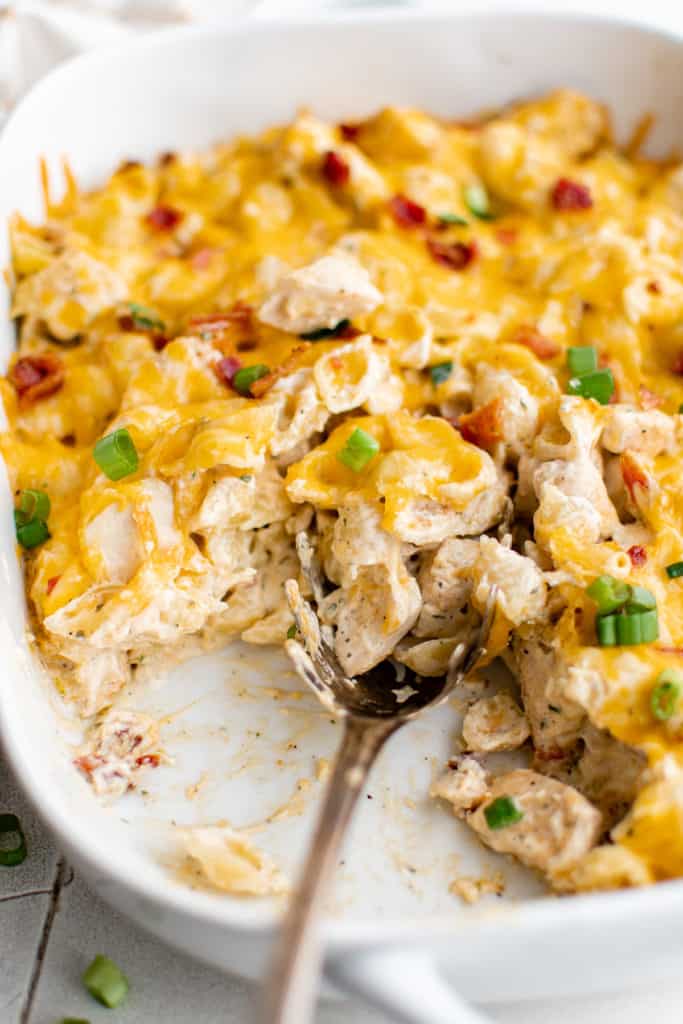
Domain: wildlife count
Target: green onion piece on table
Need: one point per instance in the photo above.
(599, 384)
(116, 454)
(674, 570)
(666, 694)
(609, 594)
(105, 982)
(501, 813)
(477, 200)
(582, 359)
(16, 854)
(247, 376)
(441, 372)
(360, 449)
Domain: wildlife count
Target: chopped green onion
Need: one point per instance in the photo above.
(73, 1020)
(105, 982)
(674, 570)
(247, 376)
(452, 218)
(637, 628)
(15, 855)
(665, 694)
(144, 318)
(441, 372)
(32, 533)
(501, 813)
(326, 332)
(359, 449)
(606, 628)
(599, 384)
(34, 505)
(477, 200)
(641, 600)
(291, 632)
(582, 359)
(609, 594)
(116, 454)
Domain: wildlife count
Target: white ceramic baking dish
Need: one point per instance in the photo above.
(236, 729)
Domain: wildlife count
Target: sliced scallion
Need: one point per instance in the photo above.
(16, 854)
(606, 628)
(637, 628)
(34, 505)
(452, 218)
(674, 570)
(641, 600)
(144, 318)
(291, 632)
(105, 982)
(666, 694)
(609, 594)
(582, 359)
(477, 200)
(32, 533)
(247, 376)
(326, 332)
(358, 451)
(599, 384)
(441, 372)
(116, 454)
(501, 813)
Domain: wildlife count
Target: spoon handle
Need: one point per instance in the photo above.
(290, 985)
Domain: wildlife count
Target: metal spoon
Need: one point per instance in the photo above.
(372, 707)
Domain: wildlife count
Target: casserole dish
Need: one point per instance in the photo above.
(237, 755)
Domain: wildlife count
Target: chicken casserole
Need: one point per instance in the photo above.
(397, 362)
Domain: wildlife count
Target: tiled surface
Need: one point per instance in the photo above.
(168, 986)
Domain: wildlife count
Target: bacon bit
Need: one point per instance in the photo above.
(159, 341)
(36, 377)
(167, 158)
(549, 754)
(350, 131)
(265, 383)
(633, 475)
(228, 329)
(669, 650)
(148, 759)
(654, 287)
(226, 369)
(164, 218)
(336, 169)
(571, 195)
(406, 213)
(677, 365)
(376, 340)
(52, 583)
(87, 764)
(127, 165)
(347, 333)
(126, 322)
(544, 348)
(454, 255)
(638, 555)
(337, 363)
(507, 236)
(246, 346)
(201, 259)
(69, 440)
(649, 399)
(484, 426)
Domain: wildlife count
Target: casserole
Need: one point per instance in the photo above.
(499, 58)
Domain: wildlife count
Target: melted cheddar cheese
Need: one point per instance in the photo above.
(420, 281)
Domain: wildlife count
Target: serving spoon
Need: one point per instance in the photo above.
(372, 707)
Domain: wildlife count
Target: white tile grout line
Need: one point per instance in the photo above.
(63, 877)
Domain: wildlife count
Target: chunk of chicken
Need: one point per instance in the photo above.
(557, 828)
(350, 376)
(465, 785)
(495, 723)
(358, 540)
(69, 293)
(422, 521)
(446, 586)
(113, 544)
(518, 407)
(521, 588)
(555, 719)
(651, 432)
(381, 606)
(334, 288)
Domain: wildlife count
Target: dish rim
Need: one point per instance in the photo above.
(664, 899)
